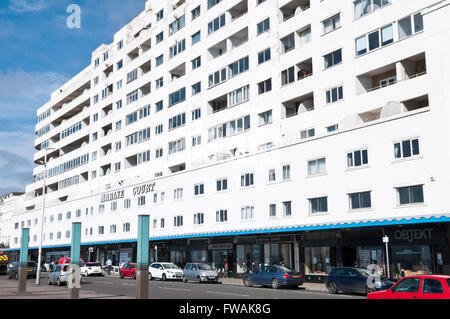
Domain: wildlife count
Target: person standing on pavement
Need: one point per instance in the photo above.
(108, 265)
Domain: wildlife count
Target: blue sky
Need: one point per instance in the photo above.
(38, 53)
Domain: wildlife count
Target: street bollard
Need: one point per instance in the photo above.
(142, 257)
(23, 262)
(74, 283)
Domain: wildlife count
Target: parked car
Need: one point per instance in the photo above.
(59, 275)
(13, 271)
(417, 287)
(199, 272)
(164, 271)
(350, 280)
(128, 270)
(4, 260)
(91, 268)
(274, 276)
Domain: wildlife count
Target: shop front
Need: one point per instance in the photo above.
(254, 252)
(418, 250)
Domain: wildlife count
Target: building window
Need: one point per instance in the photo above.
(263, 26)
(216, 24)
(357, 158)
(199, 219)
(332, 23)
(332, 128)
(265, 118)
(272, 175)
(286, 172)
(199, 189)
(307, 133)
(316, 167)
(195, 13)
(196, 37)
(159, 152)
(410, 195)
(221, 185)
(265, 86)
(287, 76)
(159, 37)
(177, 48)
(196, 140)
(264, 56)
(318, 205)
(287, 211)
(374, 40)
(126, 227)
(406, 148)
(178, 221)
(162, 223)
(160, 82)
(112, 229)
(127, 203)
(239, 96)
(101, 230)
(132, 96)
(272, 210)
(333, 58)
(247, 180)
(221, 216)
(159, 106)
(196, 88)
(196, 63)
(177, 25)
(177, 121)
(360, 200)
(288, 43)
(196, 114)
(247, 213)
(177, 97)
(335, 94)
(119, 45)
(178, 193)
(159, 60)
(410, 25)
(363, 7)
(160, 15)
(141, 201)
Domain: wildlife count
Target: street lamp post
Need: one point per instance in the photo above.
(386, 242)
(38, 271)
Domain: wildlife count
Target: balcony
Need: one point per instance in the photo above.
(294, 7)
(178, 72)
(298, 105)
(218, 104)
(238, 10)
(231, 43)
(391, 74)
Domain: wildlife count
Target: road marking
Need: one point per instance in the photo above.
(226, 293)
(182, 289)
(128, 285)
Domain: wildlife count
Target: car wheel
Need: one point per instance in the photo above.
(16, 276)
(369, 290)
(49, 282)
(150, 276)
(332, 288)
(9, 276)
(275, 284)
(121, 275)
(58, 282)
(247, 282)
(199, 281)
(134, 276)
(164, 277)
(185, 279)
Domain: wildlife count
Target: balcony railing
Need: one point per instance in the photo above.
(395, 82)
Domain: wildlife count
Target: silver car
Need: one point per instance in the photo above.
(199, 272)
(59, 275)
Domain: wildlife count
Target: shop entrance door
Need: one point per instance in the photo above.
(438, 261)
(349, 256)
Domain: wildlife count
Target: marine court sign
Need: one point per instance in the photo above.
(138, 190)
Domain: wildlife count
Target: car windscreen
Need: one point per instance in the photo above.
(31, 264)
(285, 269)
(170, 266)
(364, 272)
(204, 267)
(65, 268)
(93, 265)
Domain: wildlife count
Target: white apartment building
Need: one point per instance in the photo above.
(10, 204)
(255, 132)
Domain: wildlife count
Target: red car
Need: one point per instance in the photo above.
(417, 287)
(128, 270)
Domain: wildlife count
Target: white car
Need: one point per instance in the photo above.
(88, 269)
(164, 271)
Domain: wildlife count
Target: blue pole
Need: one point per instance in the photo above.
(142, 256)
(23, 261)
(75, 276)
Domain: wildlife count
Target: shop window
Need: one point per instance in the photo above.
(412, 260)
(317, 260)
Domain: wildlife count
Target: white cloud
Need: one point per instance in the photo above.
(23, 6)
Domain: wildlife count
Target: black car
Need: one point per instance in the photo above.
(348, 279)
(13, 271)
